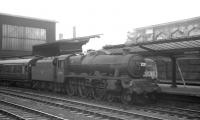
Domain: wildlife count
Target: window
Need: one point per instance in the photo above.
(1, 68)
(60, 64)
(21, 38)
(17, 69)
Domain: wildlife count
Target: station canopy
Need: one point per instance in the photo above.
(60, 47)
(174, 38)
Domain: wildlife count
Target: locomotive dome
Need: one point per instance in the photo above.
(98, 52)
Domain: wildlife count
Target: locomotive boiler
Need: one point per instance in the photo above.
(116, 65)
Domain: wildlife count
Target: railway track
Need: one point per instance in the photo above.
(157, 111)
(97, 111)
(5, 115)
(11, 111)
(50, 112)
(182, 113)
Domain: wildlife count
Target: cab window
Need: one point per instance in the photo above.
(60, 64)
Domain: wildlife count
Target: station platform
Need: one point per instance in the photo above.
(181, 90)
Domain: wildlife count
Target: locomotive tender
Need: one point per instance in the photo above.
(97, 75)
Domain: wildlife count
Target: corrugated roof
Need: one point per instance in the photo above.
(26, 17)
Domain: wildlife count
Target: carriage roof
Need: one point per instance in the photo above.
(14, 61)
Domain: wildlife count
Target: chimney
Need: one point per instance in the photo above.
(60, 36)
(74, 32)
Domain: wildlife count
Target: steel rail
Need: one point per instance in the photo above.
(24, 108)
(91, 109)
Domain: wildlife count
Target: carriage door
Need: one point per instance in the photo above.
(60, 71)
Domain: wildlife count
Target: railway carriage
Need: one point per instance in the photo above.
(16, 70)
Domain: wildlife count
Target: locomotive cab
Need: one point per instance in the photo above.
(49, 69)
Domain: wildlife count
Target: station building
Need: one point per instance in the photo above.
(175, 46)
(18, 34)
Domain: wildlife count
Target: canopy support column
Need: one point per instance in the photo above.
(173, 60)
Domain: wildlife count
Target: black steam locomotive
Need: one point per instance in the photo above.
(96, 75)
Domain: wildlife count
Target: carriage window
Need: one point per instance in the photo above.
(17, 69)
(1, 69)
(11, 68)
(6, 69)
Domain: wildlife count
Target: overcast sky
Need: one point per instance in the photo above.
(113, 18)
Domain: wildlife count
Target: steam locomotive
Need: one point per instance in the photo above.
(98, 75)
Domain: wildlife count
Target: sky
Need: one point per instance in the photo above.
(112, 18)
